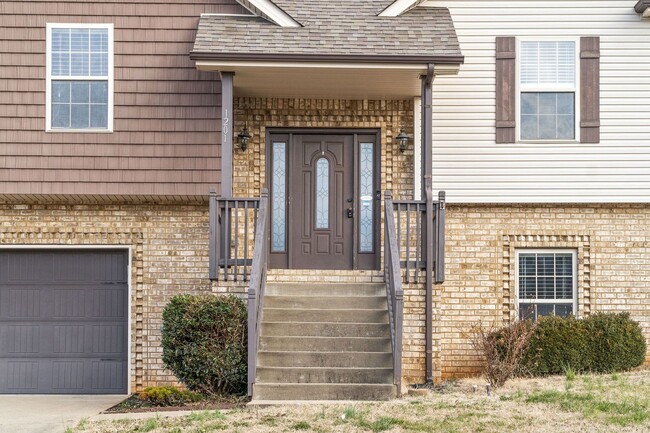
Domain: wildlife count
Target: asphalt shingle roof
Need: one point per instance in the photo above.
(333, 27)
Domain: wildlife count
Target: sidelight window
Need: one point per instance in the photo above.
(366, 202)
(279, 198)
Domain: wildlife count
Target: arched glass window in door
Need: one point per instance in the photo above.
(322, 193)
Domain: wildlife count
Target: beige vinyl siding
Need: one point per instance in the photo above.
(472, 168)
(167, 118)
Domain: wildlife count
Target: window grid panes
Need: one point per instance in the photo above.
(322, 193)
(366, 184)
(279, 198)
(547, 86)
(546, 284)
(547, 116)
(79, 72)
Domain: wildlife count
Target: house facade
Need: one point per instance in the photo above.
(117, 120)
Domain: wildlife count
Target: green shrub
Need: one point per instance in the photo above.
(168, 396)
(204, 343)
(600, 343)
(616, 343)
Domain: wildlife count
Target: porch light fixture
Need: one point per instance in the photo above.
(402, 139)
(244, 137)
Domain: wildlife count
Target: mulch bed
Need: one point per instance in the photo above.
(133, 404)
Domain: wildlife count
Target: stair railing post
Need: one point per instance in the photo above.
(213, 241)
(440, 237)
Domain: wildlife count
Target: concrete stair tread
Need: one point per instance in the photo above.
(275, 322)
(328, 368)
(324, 359)
(294, 343)
(324, 309)
(325, 337)
(323, 391)
(298, 352)
(341, 375)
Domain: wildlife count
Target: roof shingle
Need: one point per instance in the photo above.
(335, 28)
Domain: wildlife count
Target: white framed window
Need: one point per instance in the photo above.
(548, 90)
(79, 83)
(546, 283)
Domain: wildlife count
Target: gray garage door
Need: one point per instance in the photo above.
(63, 321)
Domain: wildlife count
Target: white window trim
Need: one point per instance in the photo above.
(48, 79)
(547, 88)
(574, 254)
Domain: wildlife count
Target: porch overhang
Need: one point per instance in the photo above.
(328, 77)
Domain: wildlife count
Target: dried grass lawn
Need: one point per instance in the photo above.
(571, 403)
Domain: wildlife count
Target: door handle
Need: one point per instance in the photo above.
(350, 213)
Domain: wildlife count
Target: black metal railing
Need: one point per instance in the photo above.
(257, 287)
(232, 230)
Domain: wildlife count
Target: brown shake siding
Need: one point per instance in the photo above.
(167, 116)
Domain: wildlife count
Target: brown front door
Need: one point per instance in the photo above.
(322, 194)
(323, 206)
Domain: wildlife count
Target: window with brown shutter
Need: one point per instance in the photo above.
(543, 86)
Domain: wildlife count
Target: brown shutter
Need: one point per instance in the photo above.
(506, 97)
(590, 90)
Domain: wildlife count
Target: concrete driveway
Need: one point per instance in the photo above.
(50, 413)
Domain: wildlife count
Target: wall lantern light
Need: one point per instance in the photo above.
(244, 137)
(402, 139)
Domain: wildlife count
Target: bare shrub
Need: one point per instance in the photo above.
(503, 350)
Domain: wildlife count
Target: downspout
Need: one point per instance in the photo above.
(427, 169)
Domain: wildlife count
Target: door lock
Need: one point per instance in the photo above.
(350, 213)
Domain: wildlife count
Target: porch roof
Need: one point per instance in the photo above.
(333, 30)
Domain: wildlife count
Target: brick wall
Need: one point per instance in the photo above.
(169, 248)
(613, 247)
(388, 117)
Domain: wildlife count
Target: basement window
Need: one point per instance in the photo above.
(546, 283)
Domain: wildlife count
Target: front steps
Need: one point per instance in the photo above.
(324, 340)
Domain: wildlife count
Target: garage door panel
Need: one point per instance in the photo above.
(67, 334)
(63, 339)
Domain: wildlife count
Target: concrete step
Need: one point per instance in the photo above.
(326, 302)
(325, 289)
(311, 276)
(324, 359)
(324, 375)
(313, 391)
(331, 316)
(326, 344)
(315, 329)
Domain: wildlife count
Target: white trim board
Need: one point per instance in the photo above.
(398, 7)
(271, 11)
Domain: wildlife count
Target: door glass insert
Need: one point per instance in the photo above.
(279, 198)
(322, 193)
(366, 183)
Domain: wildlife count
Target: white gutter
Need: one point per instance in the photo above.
(225, 65)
